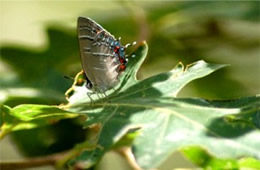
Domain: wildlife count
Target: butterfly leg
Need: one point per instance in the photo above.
(91, 100)
(114, 89)
(106, 96)
(100, 97)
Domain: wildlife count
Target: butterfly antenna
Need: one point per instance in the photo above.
(130, 44)
(69, 78)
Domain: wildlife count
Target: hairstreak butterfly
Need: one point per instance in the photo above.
(103, 57)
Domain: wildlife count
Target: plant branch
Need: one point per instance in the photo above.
(34, 162)
(140, 17)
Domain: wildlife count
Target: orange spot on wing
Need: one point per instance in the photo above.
(122, 67)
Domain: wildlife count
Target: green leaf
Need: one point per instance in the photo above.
(184, 122)
(249, 163)
(166, 123)
(29, 116)
(203, 159)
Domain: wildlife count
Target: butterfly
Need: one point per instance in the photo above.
(103, 58)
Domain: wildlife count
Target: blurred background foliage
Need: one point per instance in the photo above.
(39, 46)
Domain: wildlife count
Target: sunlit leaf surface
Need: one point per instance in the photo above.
(29, 116)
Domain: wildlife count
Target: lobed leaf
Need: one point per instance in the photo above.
(166, 123)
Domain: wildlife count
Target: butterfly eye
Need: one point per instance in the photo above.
(122, 52)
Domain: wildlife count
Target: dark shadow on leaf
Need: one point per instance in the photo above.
(232, 125)
(45, 140)
(223, 128)
(44, 67)
(235, 125)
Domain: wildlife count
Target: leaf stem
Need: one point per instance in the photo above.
(127, 154)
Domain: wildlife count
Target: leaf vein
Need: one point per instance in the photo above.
(196, 124)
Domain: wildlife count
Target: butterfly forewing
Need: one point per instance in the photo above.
(98, 61)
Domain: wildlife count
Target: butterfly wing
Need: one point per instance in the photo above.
(98, 61)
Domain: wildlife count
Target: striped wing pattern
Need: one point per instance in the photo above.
(98, 61)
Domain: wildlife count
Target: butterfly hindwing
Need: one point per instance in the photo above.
(98, 59)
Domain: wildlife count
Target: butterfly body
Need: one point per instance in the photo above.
(102, 56)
